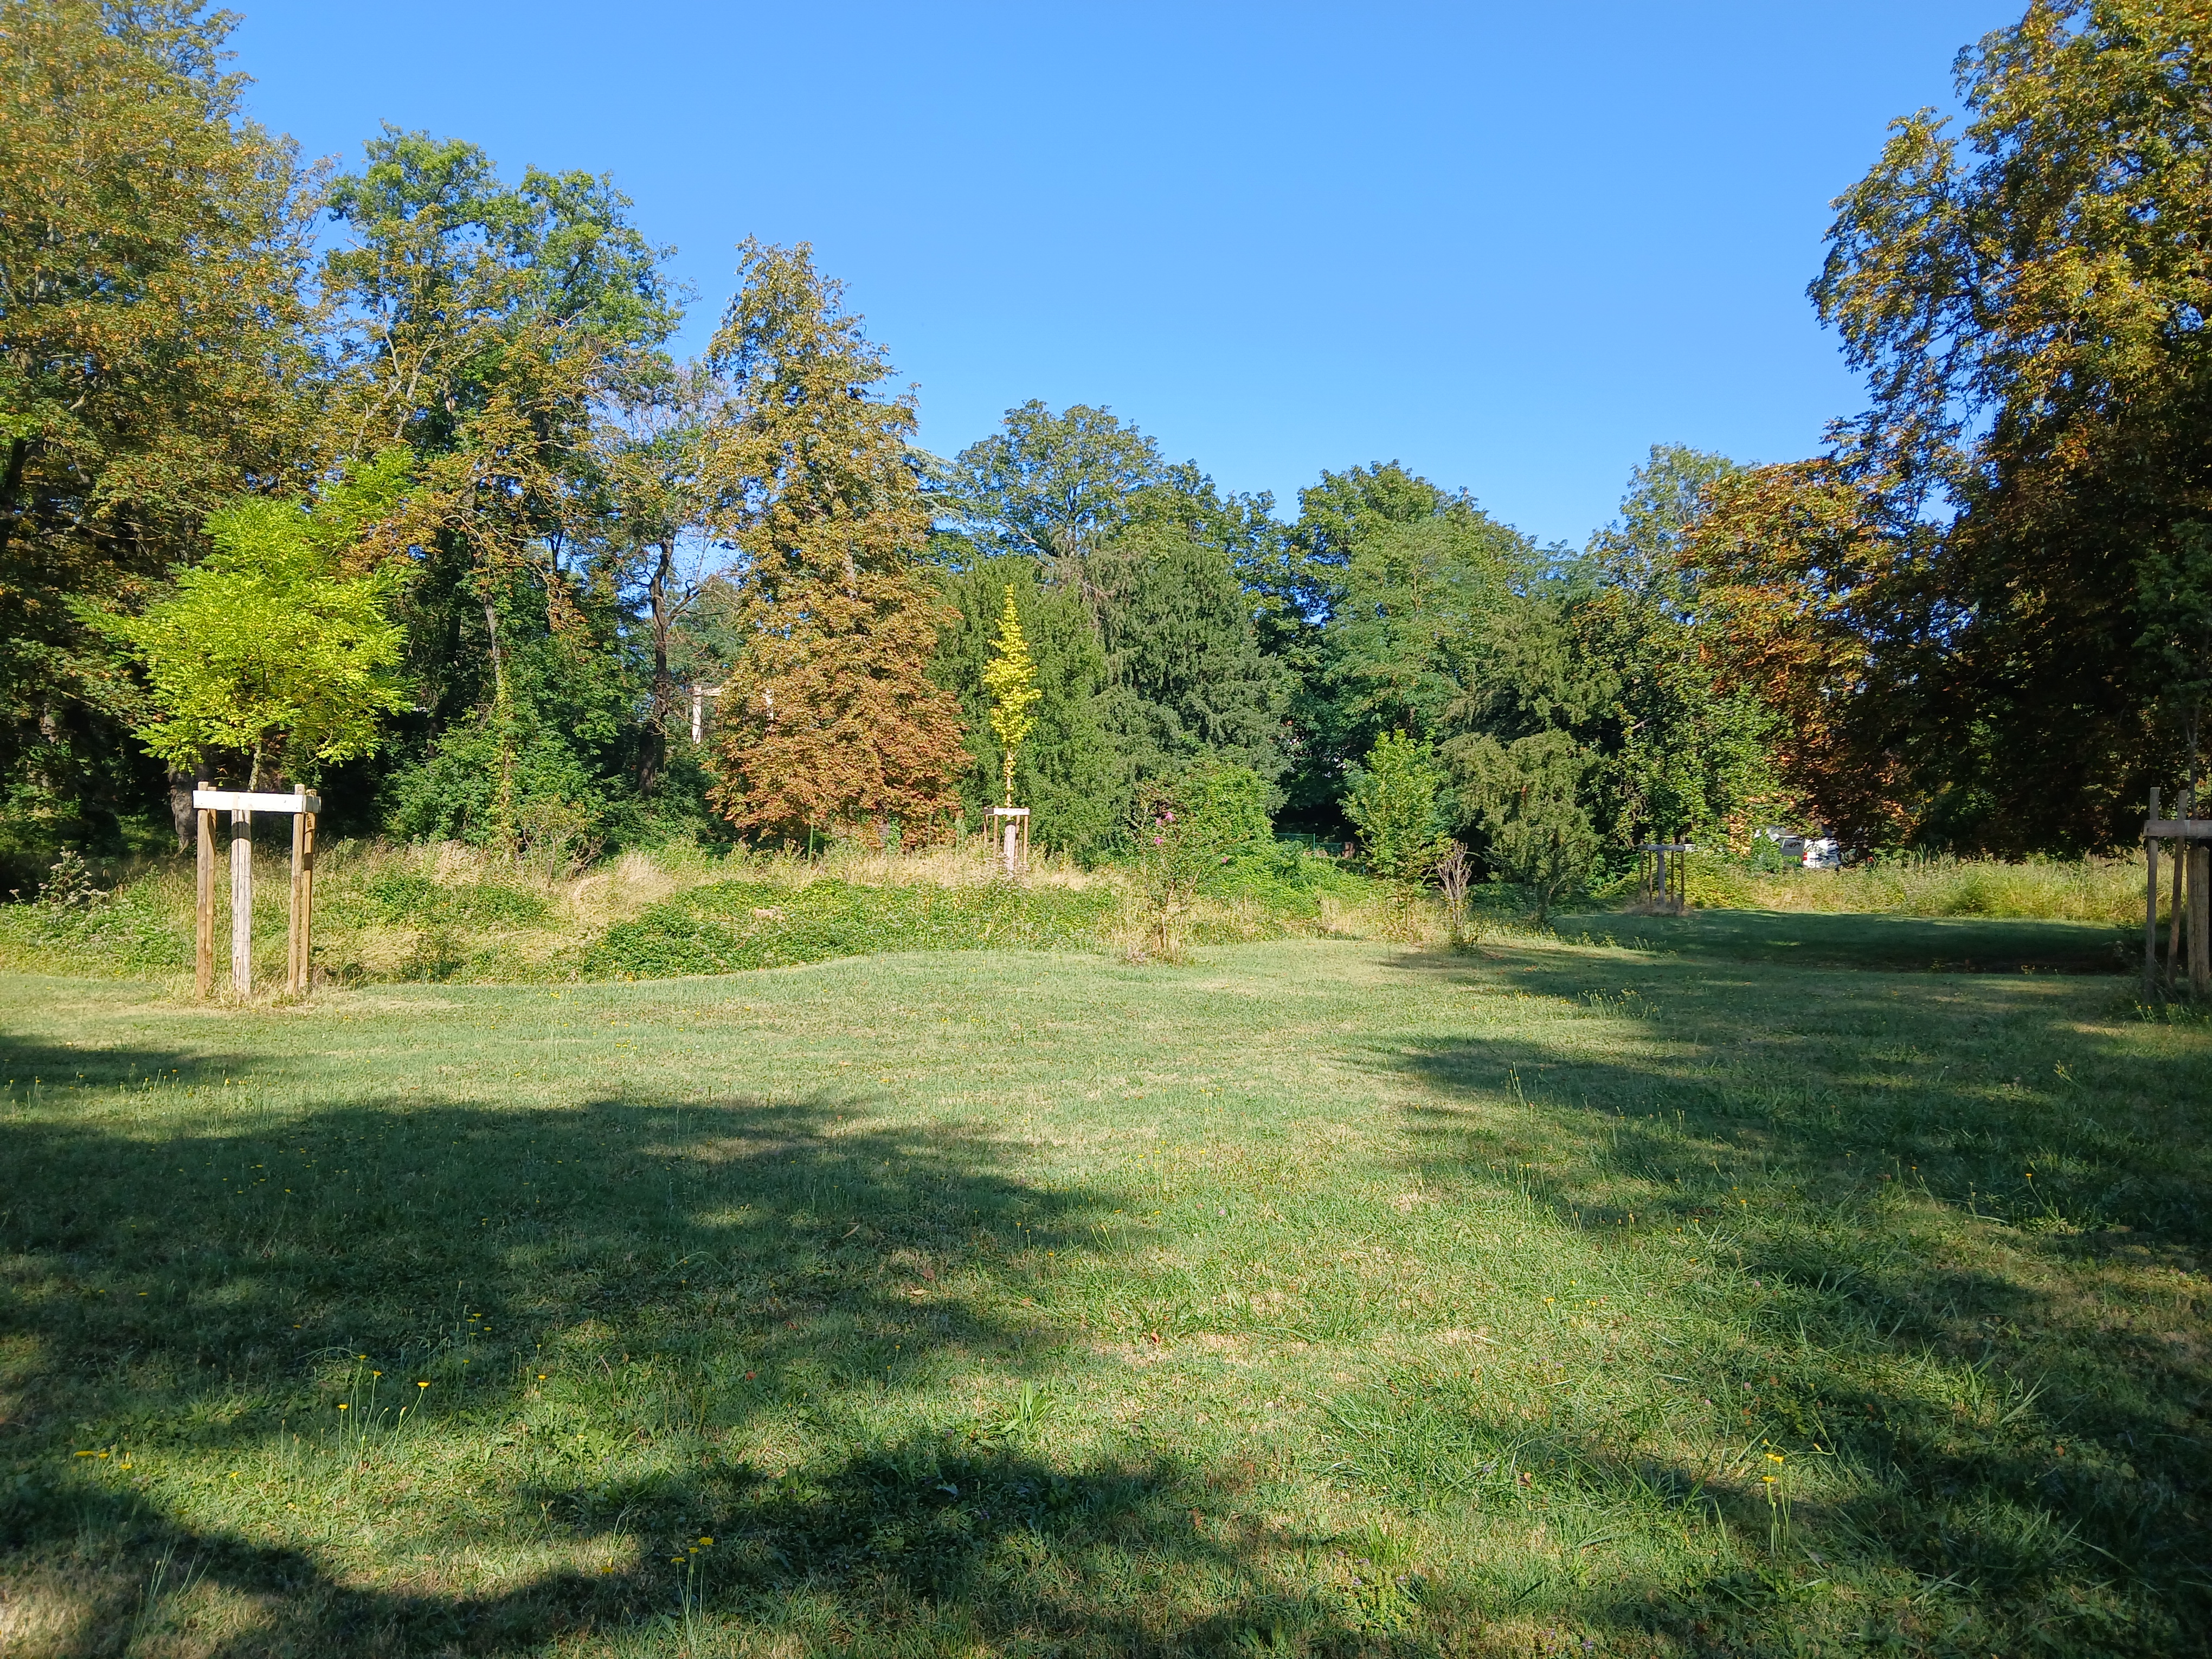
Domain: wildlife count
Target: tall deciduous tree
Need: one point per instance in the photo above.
(1377, 604)
(661, 554)
(1679, 754)
(2032, 304)
(482, 326)
(1816, 607)
(831, 722)
(154, 347)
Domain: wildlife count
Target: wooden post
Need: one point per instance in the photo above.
(2200, 919)
(303, 903)
(2150, 905)
(204, 917)
(2180, 905)
(1013, 838)
(292, 931)
(241, 902)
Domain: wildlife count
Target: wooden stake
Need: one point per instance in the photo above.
(303, 900)
(292, 915)
(2200, 920)
(2150, 905)
(2180, 906)
(241, 904)
(203, 919)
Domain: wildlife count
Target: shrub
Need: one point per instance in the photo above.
(1397, 803)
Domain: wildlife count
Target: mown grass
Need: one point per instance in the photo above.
(1320, 1297)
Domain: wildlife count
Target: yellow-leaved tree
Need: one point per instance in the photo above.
(1011, 679)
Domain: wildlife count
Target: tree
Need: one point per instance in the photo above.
(2175, 596)
(1066, 768)
(659, 553)
(1810, 599)
(1678, 755)
(830, 723)
(1396, 801)
(486, 327)
(2028, 299)
(264, 649)
(1529, 795)
(1055, 487)
(154, 357)
(1413, 601)
(1379, 599)
(1185, 674)
(1011, 679)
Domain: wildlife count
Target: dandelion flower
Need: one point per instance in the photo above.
(341, 1404)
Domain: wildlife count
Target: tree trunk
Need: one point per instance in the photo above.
(181, 813)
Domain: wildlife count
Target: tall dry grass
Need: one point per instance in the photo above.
(2099, 890)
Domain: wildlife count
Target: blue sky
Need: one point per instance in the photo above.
(1512, 246)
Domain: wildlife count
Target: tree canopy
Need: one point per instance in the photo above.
(454, 464)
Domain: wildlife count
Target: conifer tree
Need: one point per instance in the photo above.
(1011, 679)
(1068, 772)
(830, 723)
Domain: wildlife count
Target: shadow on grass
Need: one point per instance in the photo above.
(626, 1313)
(2010, 1445)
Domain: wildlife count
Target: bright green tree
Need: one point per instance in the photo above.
(266, 650)
(1011, 679)
(155, 354)
(1397, 803)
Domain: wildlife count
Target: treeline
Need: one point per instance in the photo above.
(463, 423)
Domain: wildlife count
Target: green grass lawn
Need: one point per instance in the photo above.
(1316, 1297)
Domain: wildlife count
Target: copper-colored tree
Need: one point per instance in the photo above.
(1809, 598)
(830, 724)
